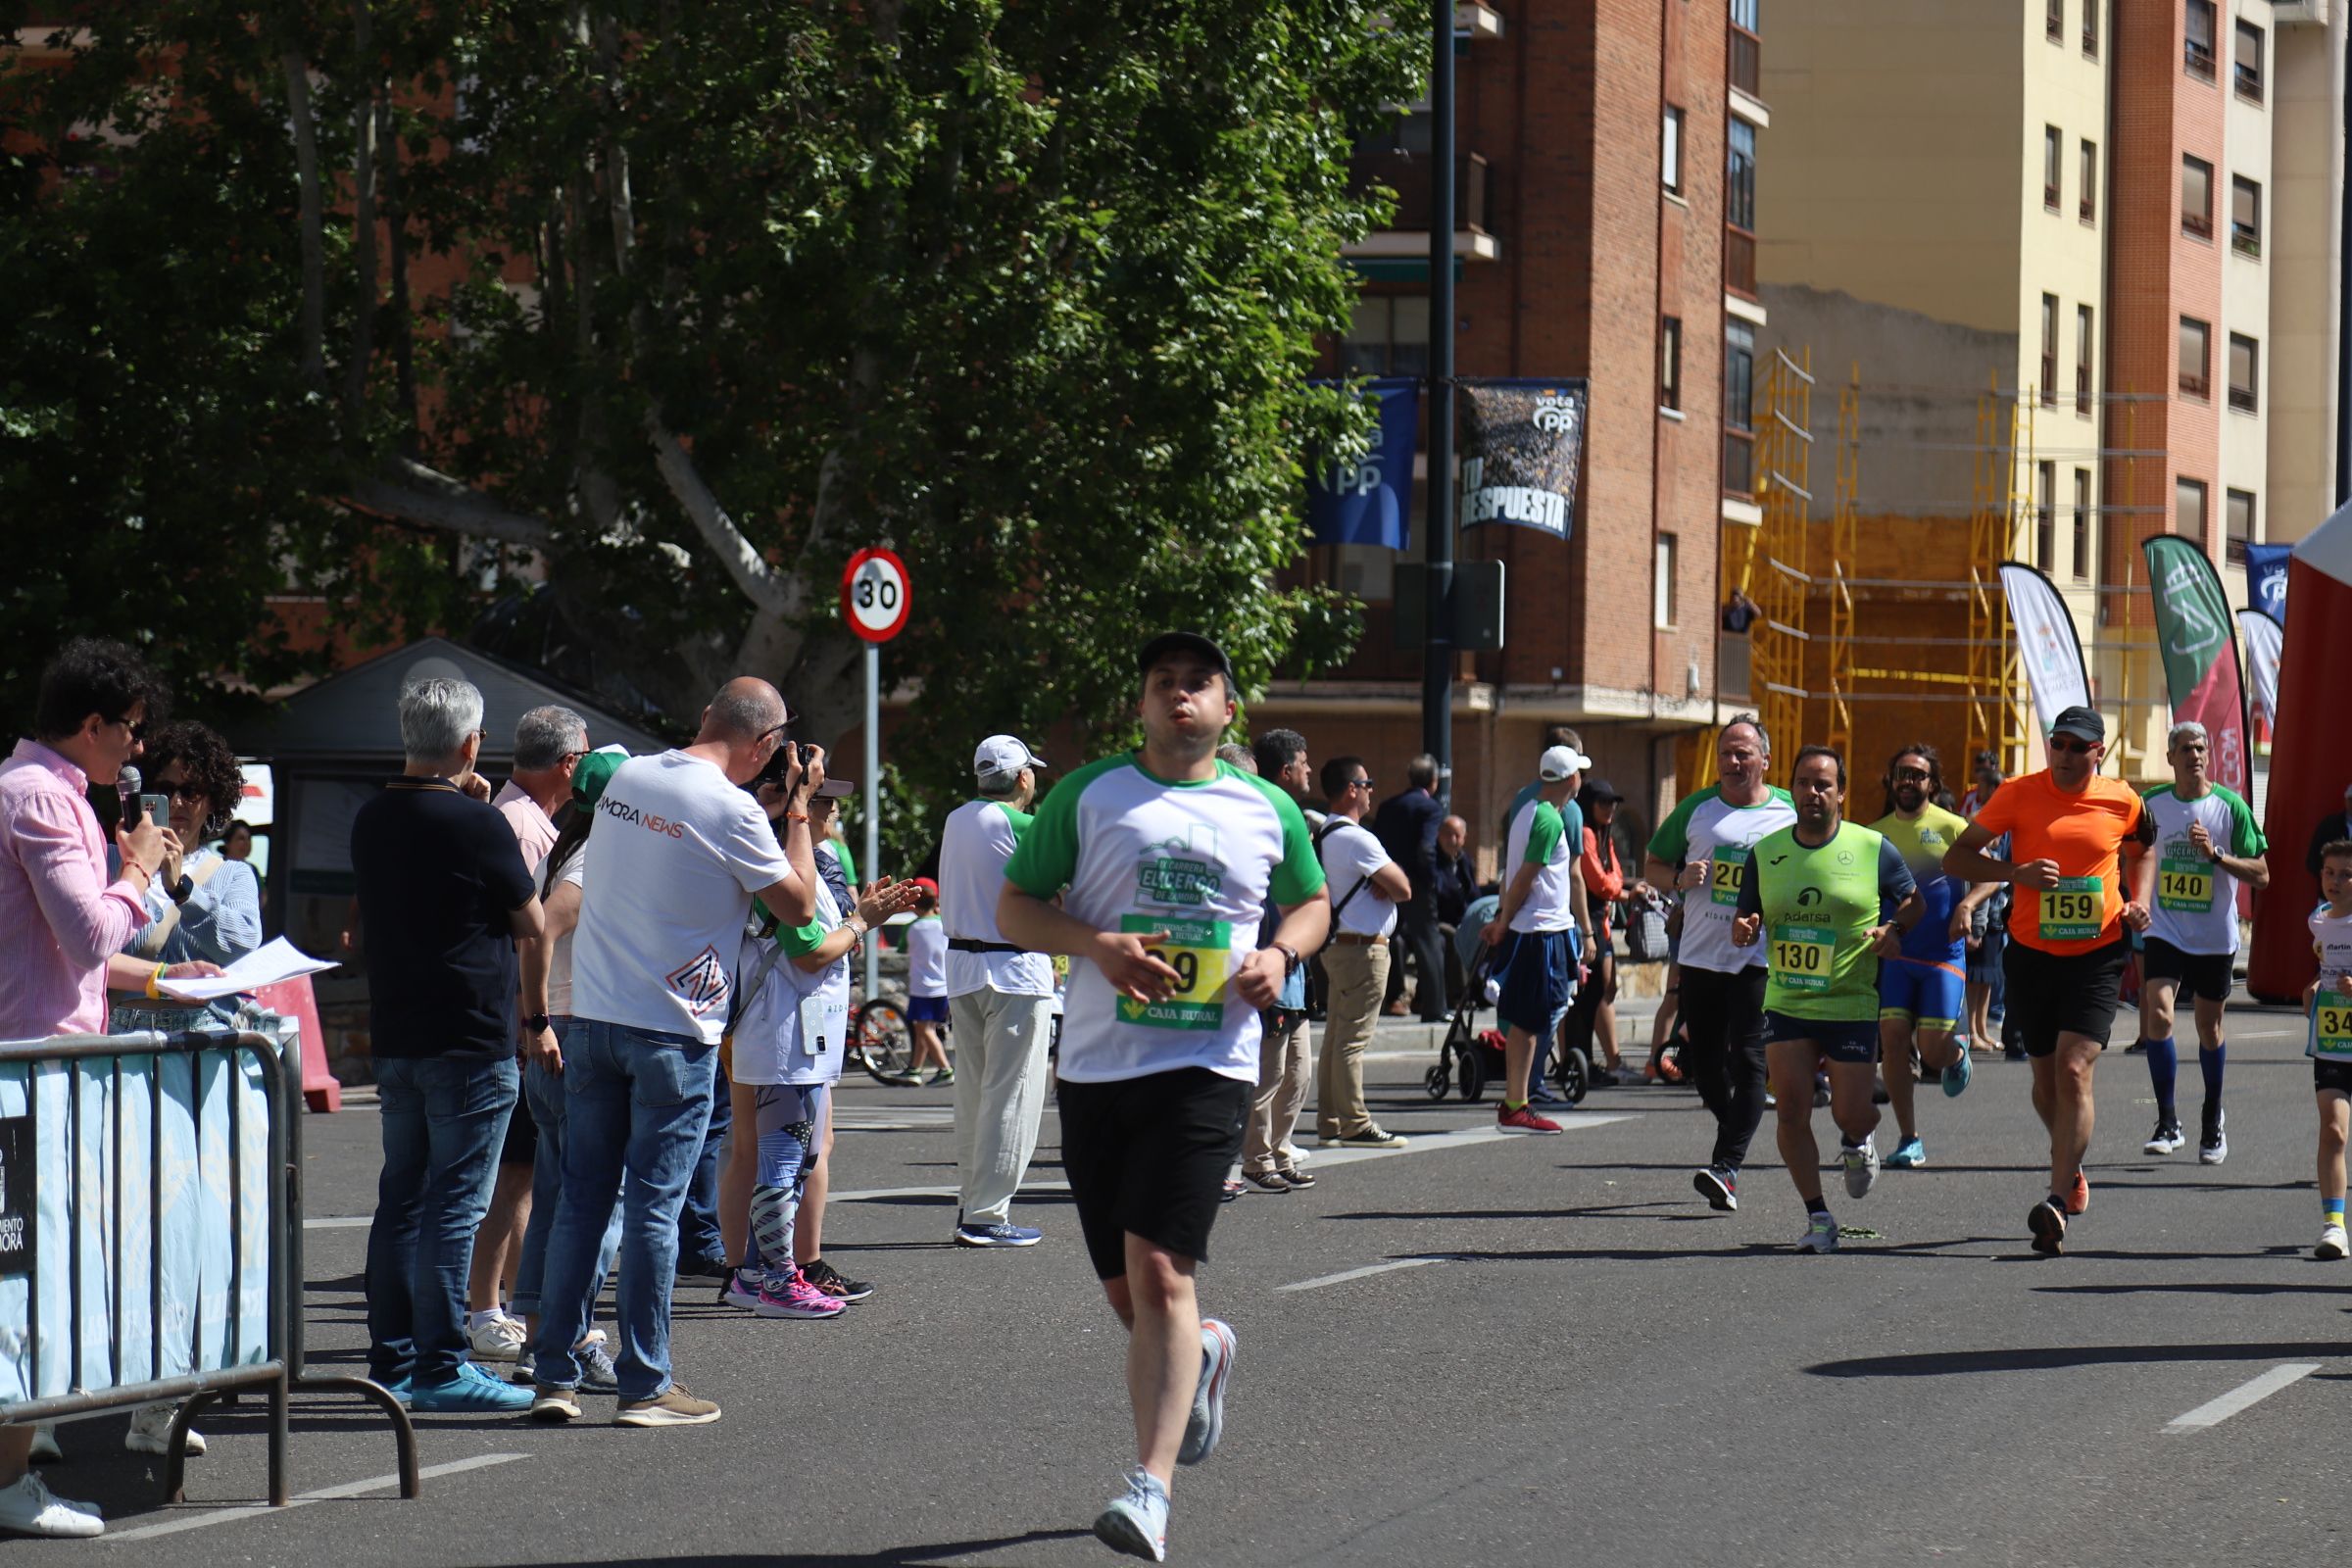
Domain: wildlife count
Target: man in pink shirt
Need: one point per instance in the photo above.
(62, 920)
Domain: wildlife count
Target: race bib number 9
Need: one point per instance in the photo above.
(2074, 909)
(1200, 951)
(2184, 882)
(1727, 871)
(1800, 956)
(2332, 1025)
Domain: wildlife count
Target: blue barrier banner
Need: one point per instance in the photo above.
(2266, 579)
(1368, 500)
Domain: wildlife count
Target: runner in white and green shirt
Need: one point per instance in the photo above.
(1164, 860)
(2328, 1000)
(2206, 844)
(1703, 849)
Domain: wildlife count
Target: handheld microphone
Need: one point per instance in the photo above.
(126, 786)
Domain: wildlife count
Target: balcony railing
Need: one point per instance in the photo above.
(2197, 59)
(2090, 33)
(1747, 68)
(1407, 174)
(2087, 208)
(2241, 398)
(2248, 80)
(2198, 224)
(2195, 386)
(1738, 461)
(1740, 261)
(2049, 197)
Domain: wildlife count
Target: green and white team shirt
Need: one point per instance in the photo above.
(1539, 837)
(1199, 860)
(2331, 1007)
(1704, 829)
(2196, 901)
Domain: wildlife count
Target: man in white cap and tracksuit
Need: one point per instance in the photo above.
(1000, 997)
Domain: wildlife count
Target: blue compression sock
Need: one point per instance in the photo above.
(2164, 1069)
(2210, 1063)
(2333, 1211)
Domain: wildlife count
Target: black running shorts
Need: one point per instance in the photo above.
(2053, 994)
(2199, 974)
(1149, 1156)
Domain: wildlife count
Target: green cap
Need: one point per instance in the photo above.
(593, 771)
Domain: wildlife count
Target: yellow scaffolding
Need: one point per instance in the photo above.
(1842, 548)
(1994, 672)
(1779, 568)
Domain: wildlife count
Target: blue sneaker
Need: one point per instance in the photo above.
(472, 1392)
(1909, 1155)
(1208, 1423)
(1957, 1076)
(398, 1388)
(1137, 1520)
(996, 1236)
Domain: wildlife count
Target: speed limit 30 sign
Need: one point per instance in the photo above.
(874, 595)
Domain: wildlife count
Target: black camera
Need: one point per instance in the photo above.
(786, 750)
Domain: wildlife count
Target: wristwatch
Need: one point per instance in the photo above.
(182, 889)
(1289, 957)
(536, 1022)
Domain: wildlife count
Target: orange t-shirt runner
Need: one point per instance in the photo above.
(2083, 832)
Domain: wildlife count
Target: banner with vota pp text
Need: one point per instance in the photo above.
(1367, 500)
(1522, 442)
(2265, 578)
(2200, 652)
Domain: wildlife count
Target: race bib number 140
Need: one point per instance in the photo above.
(1200, 951)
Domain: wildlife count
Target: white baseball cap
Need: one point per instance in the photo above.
(1004, 756)
(1560, 761)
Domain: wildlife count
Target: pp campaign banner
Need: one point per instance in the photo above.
(2265, 578)
(2046, 643)
(1522, 443)
(2200, 652)
(1368, 500)
(2265, 638)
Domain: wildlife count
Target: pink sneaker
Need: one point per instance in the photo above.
(1524, 1120)
(791, 1296)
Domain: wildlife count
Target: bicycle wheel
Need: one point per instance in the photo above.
(884, 1043)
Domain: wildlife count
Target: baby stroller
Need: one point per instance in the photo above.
(1471, 1057)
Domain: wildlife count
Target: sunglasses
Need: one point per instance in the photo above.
(1360, 783)
(1910, 775)
(138, 731)
(186, 792)
(2071, 746)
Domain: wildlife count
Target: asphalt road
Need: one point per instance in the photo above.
(1593, 1368)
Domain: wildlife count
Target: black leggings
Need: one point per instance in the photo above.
(1725, 1058)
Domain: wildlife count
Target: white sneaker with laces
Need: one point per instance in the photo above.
(2164, 1140)
(151, 1428)
(1861, 1166)
(2214, 1146)
(1821, 1235)
(1137, 1520)
(2332, 1246)
(497, 1338)
(31, 1508)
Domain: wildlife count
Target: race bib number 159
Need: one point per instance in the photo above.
(2073, 911)
(1200, 951)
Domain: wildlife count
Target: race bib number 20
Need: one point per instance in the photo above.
(1726, 871)
(1200, 951)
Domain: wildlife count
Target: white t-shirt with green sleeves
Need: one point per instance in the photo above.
(1539, 837)
(1703, 828)
(1197, 858)
(2196, 908)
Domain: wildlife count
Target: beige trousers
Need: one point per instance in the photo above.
(1285, 1065)
(1359, 976)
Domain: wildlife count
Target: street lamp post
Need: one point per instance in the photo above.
(1437, 658)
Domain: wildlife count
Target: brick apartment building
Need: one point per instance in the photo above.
(1604, 229)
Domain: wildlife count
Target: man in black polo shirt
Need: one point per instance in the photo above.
(443, 894)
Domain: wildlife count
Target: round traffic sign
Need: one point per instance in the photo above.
(874, 595)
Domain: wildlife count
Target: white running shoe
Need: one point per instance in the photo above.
(2165, 1140)
(2331, 1243)
(31, 1508)
(1861, 1166)
(1206, 1423)
(1821, 1235)
(498, 1338)
(2213, 1146)
(151, 1427)
(1137, 1520)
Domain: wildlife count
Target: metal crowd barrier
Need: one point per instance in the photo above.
(175, 1351)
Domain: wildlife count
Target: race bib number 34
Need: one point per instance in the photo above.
(1726, 871)
(1200, 951)
(2184, 882)
(1800, 956)
(2073, 911)
(2332, 1025)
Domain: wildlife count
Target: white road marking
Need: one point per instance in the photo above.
(1367, 1272)
(349, 1489)
(2214, 1413)
(339, 1222)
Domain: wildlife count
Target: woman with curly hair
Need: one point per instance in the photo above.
(201, 905)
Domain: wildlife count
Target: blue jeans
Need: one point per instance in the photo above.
(444, 1120)
(543, 1095)
(698, 1227)
(637, 1104)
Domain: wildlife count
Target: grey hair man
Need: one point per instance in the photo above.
(1000, 997)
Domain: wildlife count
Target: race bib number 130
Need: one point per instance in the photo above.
(1200, 951)
(1802, 957)
(2073, 911)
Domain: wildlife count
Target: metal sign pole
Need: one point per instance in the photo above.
(871, 866)
(1437, 656)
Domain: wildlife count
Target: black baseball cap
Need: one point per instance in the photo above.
(1184, 642)
(1601, 789)
(2083, 723)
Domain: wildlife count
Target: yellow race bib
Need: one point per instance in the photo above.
(2332, 1025)
(1200, 951)
(1802, 955)
(2075, 909)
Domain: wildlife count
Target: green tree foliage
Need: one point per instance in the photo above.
(688, 302)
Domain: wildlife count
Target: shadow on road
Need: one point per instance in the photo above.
(2191, 1288)
(2052, 1358)
(887, 1558)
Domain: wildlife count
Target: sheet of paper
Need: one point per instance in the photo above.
(262, 966)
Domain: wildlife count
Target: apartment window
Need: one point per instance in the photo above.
(2196, 367)
(2246, 70)
(2087, 204)
(1670, 152)
(2246, 373)
(2245, 216)
(2090, 27)
(2083, 515)
(2056, 25)
(1387, 337)
(2049, 349)
(1739, 398)
(1670, 363)
(2052, 141)
(1739, 208)
(2198, 50)
(2085, 350)
(2196, 197)
(2045, 523)
(1661, 593)
(1745, 63)
(2237, 517)
(2189, 508)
